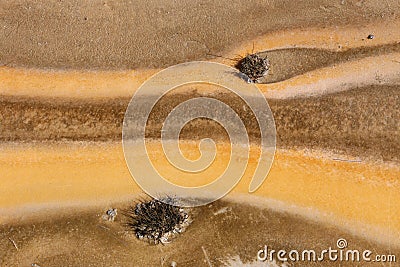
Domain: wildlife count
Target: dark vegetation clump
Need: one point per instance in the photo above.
(254, 66)
(157, 221)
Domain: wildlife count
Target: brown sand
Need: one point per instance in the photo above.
(82, 238)
(71, 67)
(360, 196)
(362, 122)
(133, 34)
(308, 59)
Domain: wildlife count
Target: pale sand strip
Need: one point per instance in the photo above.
(384, 69)
(339, 38)
(98, 84)
(379, 70)
(72, 84)
(359, 196)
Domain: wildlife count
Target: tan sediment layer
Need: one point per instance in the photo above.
(362, 122)
(223, 231)
(382, 69)
(338, 38)
(361, 196)
(75, 84)
(377, 68)
(287, 63)
(133, 34)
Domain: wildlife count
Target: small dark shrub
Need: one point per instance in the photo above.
(157, 221)
(254, 66)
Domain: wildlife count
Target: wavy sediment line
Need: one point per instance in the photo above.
(34, 174)
(378, 70)
(71, 84)
(383, 69)
(109, 36)
(359, 196)
(339, 121)
(337, 157)
(341, 190)
(304, 60)
(123, 83)
(338, 38)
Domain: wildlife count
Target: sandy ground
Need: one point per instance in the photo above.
(359, 196)
(154, 34)
(68, 70)
(221, 232)
(342, 121)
